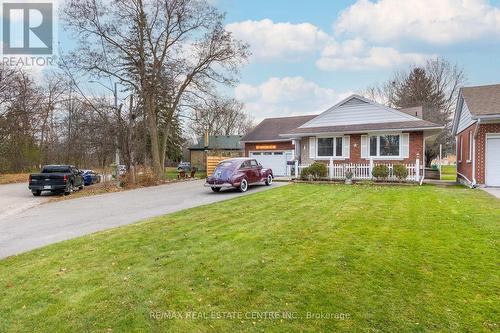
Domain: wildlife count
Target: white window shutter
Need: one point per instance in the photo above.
(347, 147)
(364, 146)
(405, 145)
(312, 147)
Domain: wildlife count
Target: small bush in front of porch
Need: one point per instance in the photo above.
(381, 172)
(315, 171)
(400, 172)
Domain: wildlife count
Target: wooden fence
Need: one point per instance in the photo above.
(212, 162)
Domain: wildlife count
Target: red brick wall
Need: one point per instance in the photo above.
(283, 145)
(464, 165)
(481, 148)
(416, 149)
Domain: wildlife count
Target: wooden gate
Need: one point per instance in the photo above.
(212, 162)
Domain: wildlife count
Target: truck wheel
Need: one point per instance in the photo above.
(243, 186)
(36, 193)
(269, 180)
(216, 189)
(69, 189)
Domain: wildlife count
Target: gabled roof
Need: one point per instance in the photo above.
(356, 110)
(479, 102)
(271, 128)
(482, 100)
(223, 142)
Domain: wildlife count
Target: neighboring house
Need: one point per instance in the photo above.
(356, 130)
(476, 126)
(215, 145)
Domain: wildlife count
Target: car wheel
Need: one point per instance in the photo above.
(216, 189)
(69, 189)
(243, 185)
(269, 180)
(36, 193)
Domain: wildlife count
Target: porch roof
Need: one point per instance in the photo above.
(414, 125)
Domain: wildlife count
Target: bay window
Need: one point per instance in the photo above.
(330, 147)
(385, 145)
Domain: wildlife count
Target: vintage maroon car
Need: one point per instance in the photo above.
(239, 173)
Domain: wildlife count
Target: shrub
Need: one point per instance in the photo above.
(400, 171)
(315, 171)
(380, 172)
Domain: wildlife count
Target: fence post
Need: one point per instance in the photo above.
(296, 169)
(417, 169)
(371, 168)
(330, 168)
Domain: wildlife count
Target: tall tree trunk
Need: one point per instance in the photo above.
(153, 131)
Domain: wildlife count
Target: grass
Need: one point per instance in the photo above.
(449, 172)
(10, 178)
(171, 173)
(367, 258)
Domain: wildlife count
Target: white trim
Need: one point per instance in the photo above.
(488, 136)
(343, 156)
(390, 157)
(470, 147)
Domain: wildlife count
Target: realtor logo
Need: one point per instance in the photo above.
(28, 28)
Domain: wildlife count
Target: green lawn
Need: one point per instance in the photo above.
(449, 172)
(366, 258)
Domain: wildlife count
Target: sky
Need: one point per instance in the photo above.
(308, 55)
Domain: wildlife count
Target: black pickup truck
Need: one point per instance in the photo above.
(56, 178)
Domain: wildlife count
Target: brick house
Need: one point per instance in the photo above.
(356, 130)
(476, 127)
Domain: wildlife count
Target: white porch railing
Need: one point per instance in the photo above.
(363, 171)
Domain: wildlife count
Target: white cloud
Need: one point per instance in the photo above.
(283, 41)
(433, 21)
(353, 54)
(281, 97)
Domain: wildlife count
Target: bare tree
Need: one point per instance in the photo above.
(220, 116)
(161, 49)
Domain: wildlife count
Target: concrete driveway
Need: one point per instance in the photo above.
(54, 222)
(15, 198)
(494, 191)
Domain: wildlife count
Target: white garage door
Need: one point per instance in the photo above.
(276, 160)
(493, 160)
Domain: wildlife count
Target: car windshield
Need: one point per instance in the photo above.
(56, 169)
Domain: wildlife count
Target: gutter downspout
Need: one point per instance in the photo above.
(474, 183)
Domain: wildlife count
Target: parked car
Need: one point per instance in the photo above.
(56, 178)
(90, 177)
(238, 173)
(184, 166)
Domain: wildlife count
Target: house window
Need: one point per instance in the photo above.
(330, 147)
(385, 145)
(338, 146)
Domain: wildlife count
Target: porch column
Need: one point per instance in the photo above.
(330, 168)
(296, 171)
(417, 169)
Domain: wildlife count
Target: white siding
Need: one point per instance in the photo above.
(465, 118)
(356, 111)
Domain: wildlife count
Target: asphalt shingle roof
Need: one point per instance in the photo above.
(271, 128)
(483, 100)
